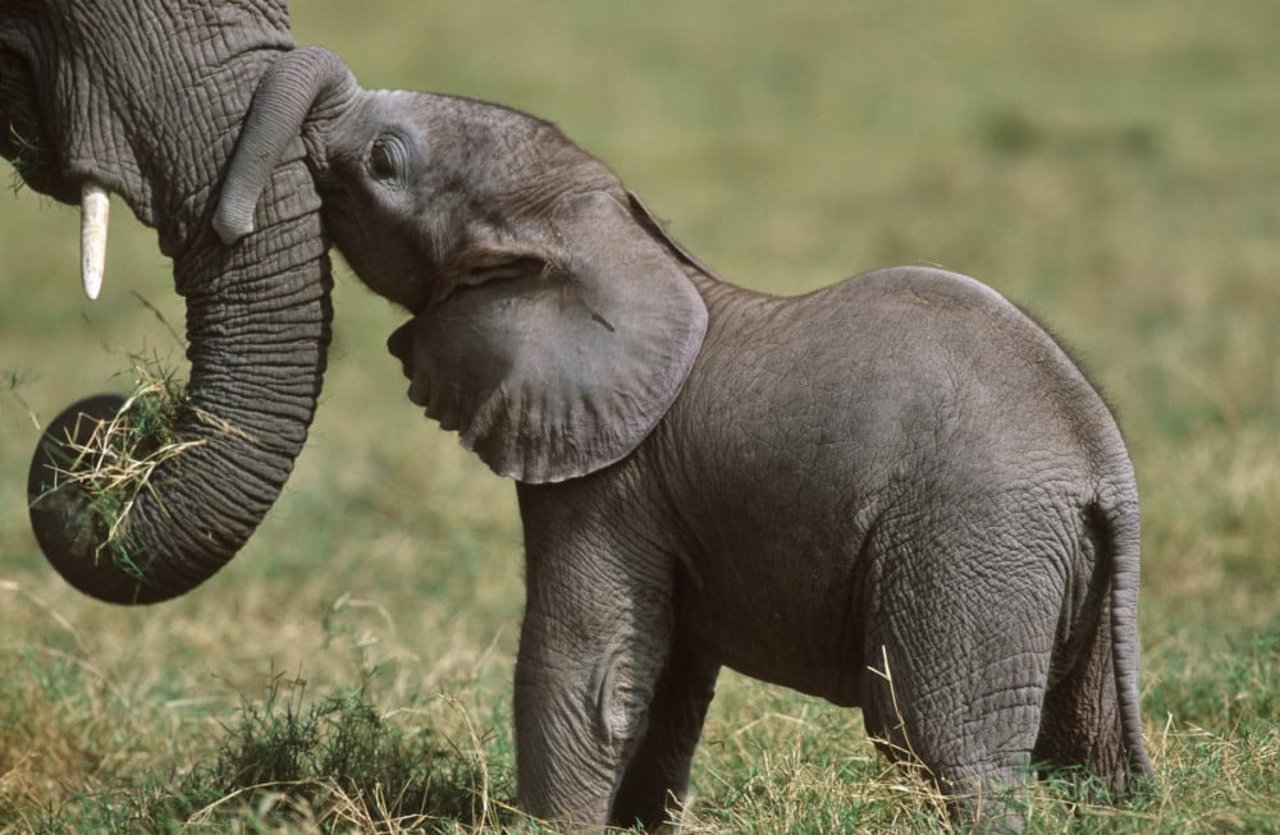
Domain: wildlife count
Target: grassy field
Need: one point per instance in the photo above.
(1111, 165)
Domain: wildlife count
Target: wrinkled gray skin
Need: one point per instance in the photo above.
(146, 99)
(898, 475)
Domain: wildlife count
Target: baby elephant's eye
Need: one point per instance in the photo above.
(386, 157)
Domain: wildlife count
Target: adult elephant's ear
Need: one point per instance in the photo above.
(554, 365)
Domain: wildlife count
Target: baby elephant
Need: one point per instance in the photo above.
(900, 474)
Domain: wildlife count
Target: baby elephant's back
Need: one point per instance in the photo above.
(908, 372)
(954, 372)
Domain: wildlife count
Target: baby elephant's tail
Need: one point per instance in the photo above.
(1119, 523)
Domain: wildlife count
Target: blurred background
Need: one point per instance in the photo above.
(1113, 166)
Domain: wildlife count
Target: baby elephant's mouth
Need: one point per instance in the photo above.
(400, 344)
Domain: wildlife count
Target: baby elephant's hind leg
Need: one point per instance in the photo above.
(1081, 728)
(957, 680)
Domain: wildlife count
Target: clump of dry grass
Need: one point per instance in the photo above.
(334, 764)
(113, 461)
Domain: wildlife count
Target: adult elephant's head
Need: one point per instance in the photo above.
(145, 100)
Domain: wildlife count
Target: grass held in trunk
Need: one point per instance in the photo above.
(111, 462)
(30, 157)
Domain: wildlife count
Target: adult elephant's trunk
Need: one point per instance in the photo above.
(145, 99)
(257, 326)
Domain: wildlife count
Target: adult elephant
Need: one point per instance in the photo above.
(145, 100)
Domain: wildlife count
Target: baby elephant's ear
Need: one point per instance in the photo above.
(558, 369)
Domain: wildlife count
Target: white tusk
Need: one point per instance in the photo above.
(95, 207)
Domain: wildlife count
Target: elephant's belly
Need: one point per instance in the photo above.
(784, 630)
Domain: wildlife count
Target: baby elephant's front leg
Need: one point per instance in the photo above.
(592, 647)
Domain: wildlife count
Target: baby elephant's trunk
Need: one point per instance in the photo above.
(305, 83)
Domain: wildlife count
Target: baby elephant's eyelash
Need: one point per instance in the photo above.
(497, 270)
(387, 157)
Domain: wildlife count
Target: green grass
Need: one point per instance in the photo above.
(1110, 165)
